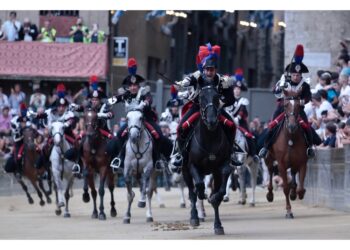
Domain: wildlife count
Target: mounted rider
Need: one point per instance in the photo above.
(207, 62)
(239, 111)
(292, 80)
(128, 94)
(96, 102)
(172, 112)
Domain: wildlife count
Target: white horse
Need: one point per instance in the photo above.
(249, 164)
(138, 159)
(177, 178)
(61, 167)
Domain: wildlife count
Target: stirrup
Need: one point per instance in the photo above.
(263, 152)
(116, 163)
(76, 168)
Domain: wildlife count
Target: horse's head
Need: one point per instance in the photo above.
(28, 138)
(209, 102)
(57, 130)
(134, 118)
(292, 105)
(91, 122)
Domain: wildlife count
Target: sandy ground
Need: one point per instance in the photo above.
(19, 220)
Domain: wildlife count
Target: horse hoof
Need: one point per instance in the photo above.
(162, 206)
(31, 201)
(126, 221)
(113, 212)
(48, 200)
(102, 216)
(269, 197)
(149, 219)
(141, 204)
(219, 231)
(61, 204)
(66, 215)
(242, 202)
(289, 216)
(86, 197)
(252, 204)
(194, 222)
(182, 205)
(301, 194)
(94, 216)
(226, 199)
(293, 196)
(201, 219)
(58, 212)
(42, 203)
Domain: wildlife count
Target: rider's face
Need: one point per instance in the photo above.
(95, 102)
(210, 72)
(237, 92)
(174, 110)
(134, 88)
(61, 109)
(296, 77)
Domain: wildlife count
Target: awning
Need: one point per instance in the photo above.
(27, 60)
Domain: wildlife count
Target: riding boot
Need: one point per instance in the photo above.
(252, 149)
(310, 151)
(268, 141)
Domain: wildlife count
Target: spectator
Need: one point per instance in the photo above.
(96, 35)
(325, 81)
(28, 31)
(344, 97)
(331, 137)
(79, 32)
(343, 61)
(16, 97)
(346, 133)
(11, 28)
(37, 99)
(81, 96)
(1, 32)
(4, 100)
(52, 97)
(5, 122)
(47, 33)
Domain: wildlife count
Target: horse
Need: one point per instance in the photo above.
(209, 153)
(289, 150)
(96, 160)
(248, 164)
(29, 158)
(138, 159)
(61, 167)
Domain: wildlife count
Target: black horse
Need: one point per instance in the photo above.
(209, 153)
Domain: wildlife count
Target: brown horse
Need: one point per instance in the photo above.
(96, 160)
(30, 156)
(289, 150)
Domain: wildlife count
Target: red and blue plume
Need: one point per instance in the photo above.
(61, 90)
(173, 92)
(94, 82)
(132, 66)
(299, 54)
(239, 74)
(23, 109)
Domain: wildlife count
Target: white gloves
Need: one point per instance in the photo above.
(226, 82)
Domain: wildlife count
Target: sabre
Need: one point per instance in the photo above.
(165, 77)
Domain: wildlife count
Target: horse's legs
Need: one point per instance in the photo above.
(181, 186)
(192, 195)
(218, 179)
(93, 192)
(286, 189)
(198, 182)
(130, 195)
(24, 187)
(111, 190)
(241, 170)
(269, 195)
(293, 186)
(220, 182)
(101, 192)
(253, 168)
(86, 196)
(67, 196)
(301, 190)
(41, 185)
(49, 181)
(33, 181)
(59, 186)
(227, 194)
(149, 183)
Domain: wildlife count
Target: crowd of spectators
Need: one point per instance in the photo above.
(13, 30)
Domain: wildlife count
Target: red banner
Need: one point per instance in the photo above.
(53, 59)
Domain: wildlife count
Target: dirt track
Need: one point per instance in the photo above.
(19, 220)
